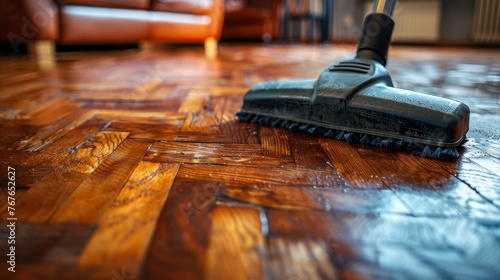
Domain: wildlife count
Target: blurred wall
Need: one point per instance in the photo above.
(457, 20)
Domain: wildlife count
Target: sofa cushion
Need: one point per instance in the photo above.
(197, 7)
(123, 4)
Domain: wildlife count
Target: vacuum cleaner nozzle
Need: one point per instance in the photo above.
(355, 101)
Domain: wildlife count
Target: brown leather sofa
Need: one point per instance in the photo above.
(110, 21)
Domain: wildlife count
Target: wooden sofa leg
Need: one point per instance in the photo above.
(211, 47)
(44, 51)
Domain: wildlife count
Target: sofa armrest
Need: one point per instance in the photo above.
(40, 19)
(217, 19)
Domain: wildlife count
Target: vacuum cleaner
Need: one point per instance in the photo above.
(355, 101)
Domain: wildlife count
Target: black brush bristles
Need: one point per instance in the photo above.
(423, 150)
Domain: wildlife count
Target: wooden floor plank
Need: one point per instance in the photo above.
(404, 171)
(210, 153)
(236, 243)
(100, 93)
(85, 205)
(32, 102)
(204, 113)
(456, 194)
(137, 125)
(409, 176)
(64, 271)
(301, 224)
(486, 183)
(122, 237)
(45, 137)
(307, 152)
(37, 106)
(43, 243)
(244, 133)
(56, 110)
(274, 142)
(442, 234)
(36, 165)
(16, 77)
(13, 90)
(7, 141)
(299, 259)
(12, 128)
(350, 165)
(179, 245)
(140, 117)
(46, 196)
(245, 176)
(4, 200)
(318, 198)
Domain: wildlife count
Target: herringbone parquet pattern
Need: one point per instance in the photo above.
(131, 165)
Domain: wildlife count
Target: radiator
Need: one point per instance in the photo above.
(487, 21)
(416, 21)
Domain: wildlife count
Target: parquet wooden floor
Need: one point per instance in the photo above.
(131, 165)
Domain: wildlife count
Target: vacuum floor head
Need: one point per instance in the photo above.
(355, 101)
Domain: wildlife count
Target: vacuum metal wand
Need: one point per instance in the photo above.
(384, 7)
(377, 32)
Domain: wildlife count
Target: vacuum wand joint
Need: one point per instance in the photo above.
(377, 32)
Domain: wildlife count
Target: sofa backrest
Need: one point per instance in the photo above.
(197, 7)
(122, 4)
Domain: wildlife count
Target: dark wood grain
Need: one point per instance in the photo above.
(47, 195)
(210, 153)
(50, 133)
(307, 152)
(132, 165)
(181, 237)
(304, 259)
(127, 228)
(236, 247)
(39, 164)
(86, 205)
(44, 243)
(274, 142)
(350, 165)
